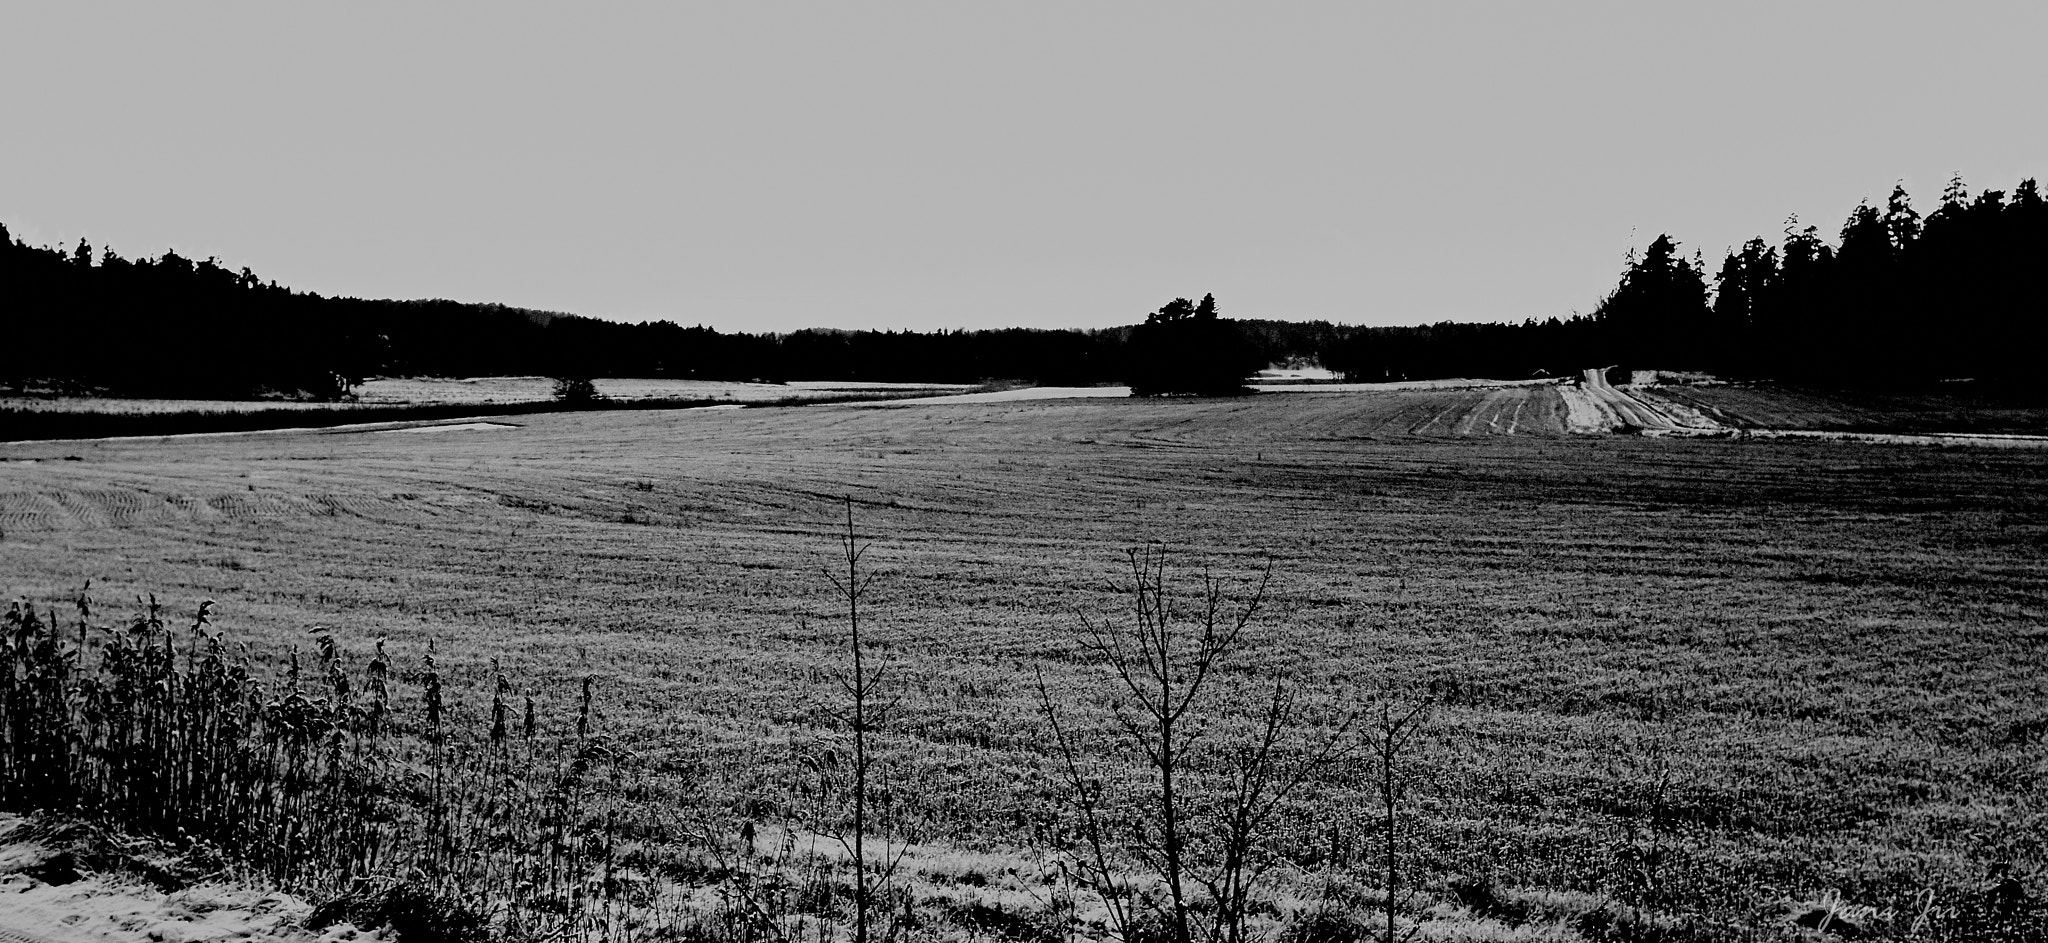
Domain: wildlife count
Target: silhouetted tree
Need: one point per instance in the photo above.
(1186, 348)
(1901, 221)
(1856, 312)
(1747, 278)
(1659, 307)
(1903, 299)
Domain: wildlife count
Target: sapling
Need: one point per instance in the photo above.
(1209, 857)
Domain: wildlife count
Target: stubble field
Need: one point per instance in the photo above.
(1800, 673)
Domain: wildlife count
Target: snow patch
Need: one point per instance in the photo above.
(107, 908)
(456, 427)
(1992, 440)
(1592, 406)
(1006, 396)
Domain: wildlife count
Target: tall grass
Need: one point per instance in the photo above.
(344, 783)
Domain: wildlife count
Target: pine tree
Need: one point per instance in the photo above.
(1901, 221)
(1746, 279)
(1662, 300)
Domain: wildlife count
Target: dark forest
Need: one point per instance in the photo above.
(1896, 298)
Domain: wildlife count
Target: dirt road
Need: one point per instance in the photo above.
(1593, 406)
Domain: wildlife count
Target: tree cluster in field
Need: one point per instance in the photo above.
(1901, 298)
(1186, 347)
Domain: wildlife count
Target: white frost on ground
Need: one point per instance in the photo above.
(400, 425)
(1675, 377)
(1593, 407)
(1686, 417)
(1994, 440)
(1296, 375)
(506, 390)
(1584, 415)
(122, 406)
(1096, 392)
(1395, 386)
(1005, 396)
(868, 386)
(455, 427)
(100, 908)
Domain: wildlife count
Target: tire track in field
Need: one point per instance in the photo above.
(43, 508)
(33, 511)
(1506, 411)
(1486, 408)
(1594, 406)
(1458, 406)
(1499, 409)
(675, 480)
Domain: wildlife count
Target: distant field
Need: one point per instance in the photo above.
(402, 400)
(1768, 407)
(1829, 653)
(128, 406)
(537, 389)
(1428, 407)
(1458, 407)
(479, 391)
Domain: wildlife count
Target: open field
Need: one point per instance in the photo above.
(2001, 412)
(539, 389)
(481, 391)
(1585, 405)
(1795, 671)
(404, 400)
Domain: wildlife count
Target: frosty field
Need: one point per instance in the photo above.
(1800, 671)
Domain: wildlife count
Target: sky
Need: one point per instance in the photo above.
(769, 166)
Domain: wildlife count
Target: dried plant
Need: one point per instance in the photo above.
(1208, 848)
(317, 780)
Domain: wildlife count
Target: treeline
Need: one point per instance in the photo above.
(1551, 347)
(92, 321)
(155, 326)
(576, 346)
(1958, 293)
(87, 320)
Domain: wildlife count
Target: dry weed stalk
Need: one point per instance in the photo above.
(312, 781)
(1388, 738)
(864, 714)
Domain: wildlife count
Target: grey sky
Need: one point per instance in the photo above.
(768, 166)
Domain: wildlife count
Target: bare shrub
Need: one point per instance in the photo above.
(576, 390)
(1201, 830)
